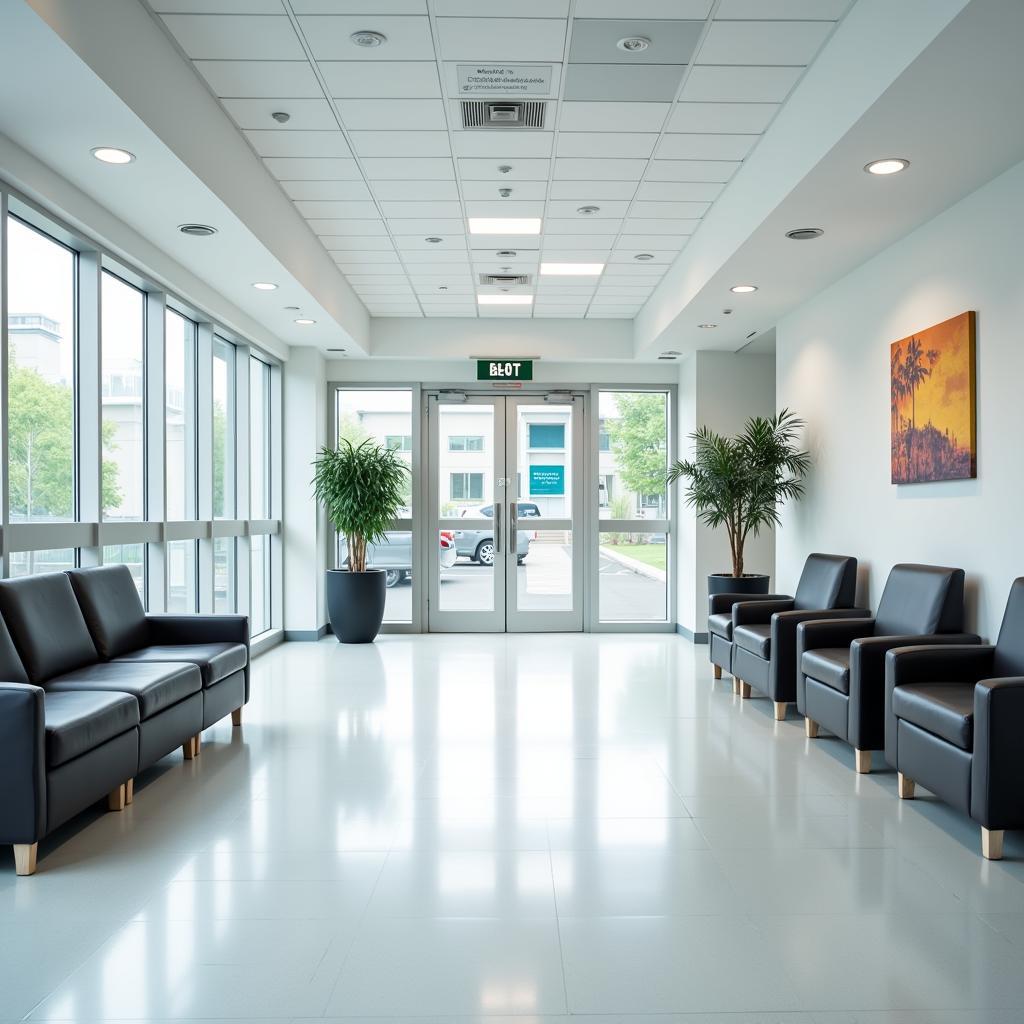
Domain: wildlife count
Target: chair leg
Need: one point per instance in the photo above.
(129, 791)
(744, 690)
(862, 761)
(735, 686)
(236, 715)
(780, 710)
(116, 799)
(904, 786)
(25, 858)
(810, 728)
(992, 844)
(190, 748)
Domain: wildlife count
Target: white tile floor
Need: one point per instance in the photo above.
(521, 829)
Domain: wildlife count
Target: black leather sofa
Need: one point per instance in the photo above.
(94, 690)
(954, 721)
(764, 632)
(841, 677)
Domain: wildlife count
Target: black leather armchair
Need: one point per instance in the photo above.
(841, 676)
(954, 721)
(764, 632)
(720, 628)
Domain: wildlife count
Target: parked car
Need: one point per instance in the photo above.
(478, 545)
(394, 555)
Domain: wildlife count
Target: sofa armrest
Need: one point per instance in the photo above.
(22, 763)
(746, 613)
(718, 603)
(997, 771)
(198, 629)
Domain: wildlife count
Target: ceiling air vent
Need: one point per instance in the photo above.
(505, 279)
(502, 114)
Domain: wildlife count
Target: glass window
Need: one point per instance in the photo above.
(259, 584)
(399, 442)
(30, 563)
(465, 443)
(259, 439)
(224, 575)
(132, 555)
(547, 435)
(467, 487)
(182, 575)
(223, 430)
(604, 443)
(123, 334)
(41, 373)
(180, 342)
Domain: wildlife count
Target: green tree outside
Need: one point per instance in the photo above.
(637, 438)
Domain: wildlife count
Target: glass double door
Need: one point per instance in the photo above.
(505, 500)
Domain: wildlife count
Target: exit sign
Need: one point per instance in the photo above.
(504, 369)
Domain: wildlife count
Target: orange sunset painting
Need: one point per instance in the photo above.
(931, 379)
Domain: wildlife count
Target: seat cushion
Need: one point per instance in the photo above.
(721, 624)
(756, 638)
(81, 720)
(155, 685)
(214, 661)
(945, 710)
(829, 665)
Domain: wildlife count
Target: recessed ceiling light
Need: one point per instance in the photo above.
(113, 155)
(743, 289)
(197, 230)
(264, 286)
(433, 239)
(504, 225)
(634, 44)
(368, 39)
(888, 165)
(588, 211)
(572, 269)
(644, 257)
(504, 300)
(707, 327)
(804, 234)
(304, 321)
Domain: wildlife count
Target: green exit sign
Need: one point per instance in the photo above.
(504, 369)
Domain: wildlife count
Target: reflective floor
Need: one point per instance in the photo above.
(526, 827)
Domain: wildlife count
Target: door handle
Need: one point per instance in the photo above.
(497, 528)
(513, 526)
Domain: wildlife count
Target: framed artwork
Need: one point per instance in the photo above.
(932, 403)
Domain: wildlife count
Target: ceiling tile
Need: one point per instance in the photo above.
(397, 169)
(621, 273)
(392, 208)
(400, 143)
(426, 191)
(347, 244)
(647, 242)
(579, 225)
(504, 208)
(274, 143)
(456, 267)
(216, 6)
(688, 9)
(261, 78)
(411, 257)
(594, 41)
(500, 8)
(312, 169)
(408, 37)
(568, 208)
(329, 228)
(829, 9)
(501, 39)
(582, 240)
(488, 190)
(454, 311)
(499, 144)
(485, 260)
(396, 291)
(606, 144)
(742, 118)
(506, 243)
(326, 191)
(612, 291)
(359, 6)
(383, 278)
(304, 114)
(706, 147)
(235, 37)
(625, 254)
(321, 209)
(427, 226)
(739, 85)
(603, 117)
(452, 243)
(792, 43)
(675, 191)
(691, 170)
(487, 170)
(381, 79)
(352, 261)
(623, 82)
(659, 210)
(613, 313)
(660, 226)
(555, 251)
(614, 170)
(393, 115)
(582, 192)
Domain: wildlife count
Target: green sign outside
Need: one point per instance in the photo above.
(504, 369)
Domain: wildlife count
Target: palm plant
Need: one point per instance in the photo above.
(362, 488)
(740, 482)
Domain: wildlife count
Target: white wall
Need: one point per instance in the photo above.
(833, 369)
(721, 390)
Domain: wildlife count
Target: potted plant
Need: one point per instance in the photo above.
(740, 483)
(362, 488)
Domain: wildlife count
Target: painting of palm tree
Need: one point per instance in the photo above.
(932, 403)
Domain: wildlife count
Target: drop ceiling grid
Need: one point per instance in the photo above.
(656, 166)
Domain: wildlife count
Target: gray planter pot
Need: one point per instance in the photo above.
(748, 583)
(355, 604)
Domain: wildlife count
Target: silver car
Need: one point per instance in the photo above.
(478, 545)
(394, 555)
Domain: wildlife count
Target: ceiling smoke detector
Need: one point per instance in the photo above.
(504, 192)
(506, 254)
(281, 116)
(504, 168)
(197, 230)
(804, 234)
(368, 39)
(433, 239)
(634, 44)
(644, 257)
(588, 211)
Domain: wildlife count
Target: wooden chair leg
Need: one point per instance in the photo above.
(735, 685)
(744, 690)
(780, 710)
(236, 715)
(116, 799)
(129, 791)
(25, 858)
(198, 740)
(190, 748)
(862, 761)
(992, 844)
(810, 728)
(904, 786)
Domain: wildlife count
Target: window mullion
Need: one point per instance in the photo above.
(88, 398)
(156, 450)
(204, 459)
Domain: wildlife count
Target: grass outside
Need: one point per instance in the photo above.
(650, 554)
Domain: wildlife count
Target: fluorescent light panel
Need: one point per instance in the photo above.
(504, 300)
(572, 269)
(504, 225)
